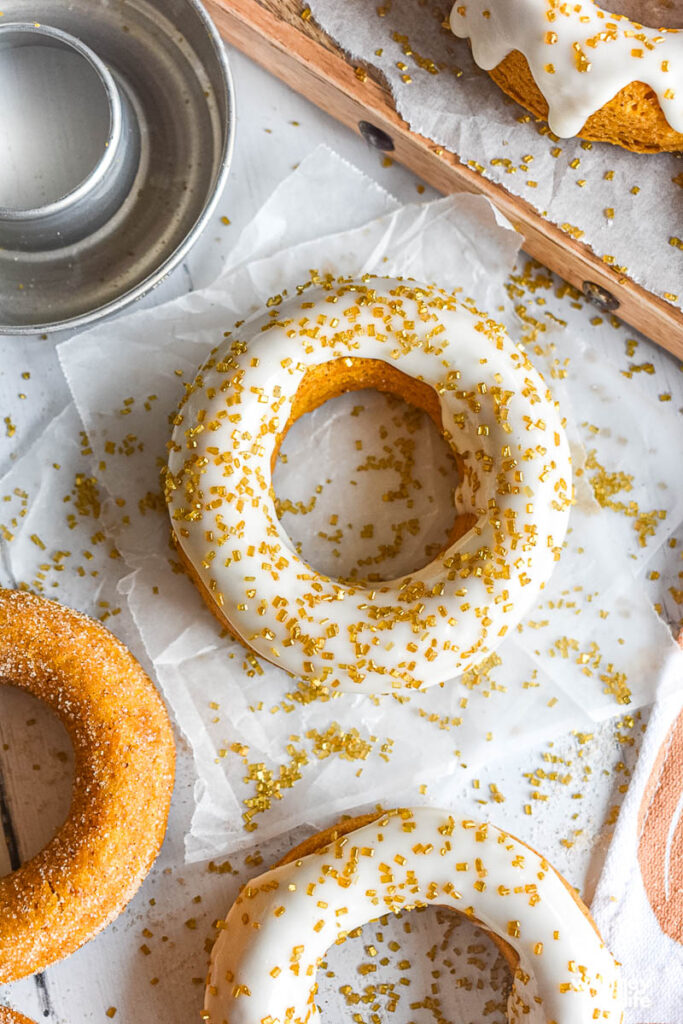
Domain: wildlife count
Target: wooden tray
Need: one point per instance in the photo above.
(274, 33)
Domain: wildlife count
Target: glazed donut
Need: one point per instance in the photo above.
(123, 778)
(587, 72)
(264, 962)
(512, 503)
(8, 1016)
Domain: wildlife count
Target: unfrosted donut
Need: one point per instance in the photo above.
(587, 71)
(123, 778)
(264, 962)
(441, 354)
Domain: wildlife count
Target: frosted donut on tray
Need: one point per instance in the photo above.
(587, 71)
(511, 506)
(264, 961)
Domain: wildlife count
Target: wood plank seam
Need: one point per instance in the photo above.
(9, 831)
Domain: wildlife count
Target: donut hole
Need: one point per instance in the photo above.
(652, 13)
(364, 480)
(36, 776)
(420, 966)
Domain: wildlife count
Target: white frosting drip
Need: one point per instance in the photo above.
(498, 414)
(265, 959)
(580, 56)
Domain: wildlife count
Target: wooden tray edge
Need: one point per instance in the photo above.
(324, 75)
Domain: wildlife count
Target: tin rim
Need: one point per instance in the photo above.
(167, 265)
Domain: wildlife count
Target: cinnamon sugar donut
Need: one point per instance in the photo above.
(264, 962)
(586, 71)
(123, 779)
(446, 357)
(8, 1016)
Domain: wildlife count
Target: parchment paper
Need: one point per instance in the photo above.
(443, 95)
(268, 756)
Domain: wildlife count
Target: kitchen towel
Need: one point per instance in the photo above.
(638, 904)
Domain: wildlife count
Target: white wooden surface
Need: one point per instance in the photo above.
(151, 963)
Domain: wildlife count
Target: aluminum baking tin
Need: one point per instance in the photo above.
(167, 92)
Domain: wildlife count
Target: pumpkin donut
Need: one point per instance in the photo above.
(444, 356)
(586, 71)
(123, 779)
(264, 961)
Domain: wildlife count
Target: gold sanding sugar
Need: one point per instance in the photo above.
(605, 485)
(348, 744)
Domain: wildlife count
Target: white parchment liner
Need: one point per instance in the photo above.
(592, 641)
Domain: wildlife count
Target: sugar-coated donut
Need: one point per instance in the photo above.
(588, 72)
(8, 1016)
(123, 777)
(264, 962)
(446, 357)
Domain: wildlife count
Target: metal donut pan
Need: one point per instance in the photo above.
(168, 99)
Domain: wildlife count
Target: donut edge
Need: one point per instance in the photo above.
(10, 1016)
(632, 119)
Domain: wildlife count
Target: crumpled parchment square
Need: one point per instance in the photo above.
(269, 753)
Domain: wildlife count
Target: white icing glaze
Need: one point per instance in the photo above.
(579, 55)
(264, 962)
(497, 412)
